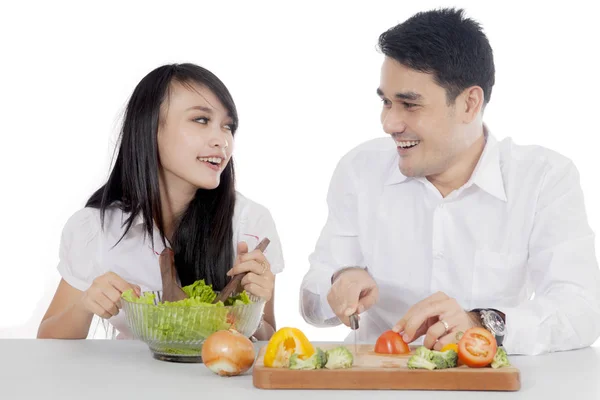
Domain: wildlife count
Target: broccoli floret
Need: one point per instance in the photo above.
(316, 361)
(500, 359)
(430, 359)
(424, 353)
(446, 359)
(418, 362)
(339, 357)
(297, 363)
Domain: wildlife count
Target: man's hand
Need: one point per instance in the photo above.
(352, 291)
(427, 317)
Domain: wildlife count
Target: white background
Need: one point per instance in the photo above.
(303, 75)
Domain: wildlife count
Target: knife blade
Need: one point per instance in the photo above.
(354, 327)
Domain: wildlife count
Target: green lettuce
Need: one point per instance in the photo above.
(239, 299)
(190, 319)
(201, 291)
(146, 298)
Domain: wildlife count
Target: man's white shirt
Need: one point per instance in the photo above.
(515, 238)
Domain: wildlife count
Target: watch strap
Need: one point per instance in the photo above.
(499, 337)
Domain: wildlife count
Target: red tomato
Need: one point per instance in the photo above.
(477, 347)
(391, 342)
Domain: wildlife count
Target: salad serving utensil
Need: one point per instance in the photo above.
(171, 290)
(233, 284)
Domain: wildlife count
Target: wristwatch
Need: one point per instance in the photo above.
(493, 322)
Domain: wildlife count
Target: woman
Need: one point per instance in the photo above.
(172, 185)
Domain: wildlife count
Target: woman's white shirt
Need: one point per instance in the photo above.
(87, 249)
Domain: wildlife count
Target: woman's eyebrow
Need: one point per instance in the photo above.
(201, 108)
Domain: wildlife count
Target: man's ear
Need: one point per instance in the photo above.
(471, 101)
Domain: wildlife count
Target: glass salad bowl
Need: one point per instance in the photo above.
(176, 331)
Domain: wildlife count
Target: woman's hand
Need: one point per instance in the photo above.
(259, 279)
(103, 298)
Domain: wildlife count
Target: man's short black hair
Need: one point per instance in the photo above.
(443, 42)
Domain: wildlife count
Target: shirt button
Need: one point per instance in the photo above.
(438, 255)
(441, 206)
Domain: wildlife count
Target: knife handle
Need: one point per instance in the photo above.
(354, 321)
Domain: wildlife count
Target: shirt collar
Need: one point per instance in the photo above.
(394, 174)
(487, 174)
(139, 220)
(157, 244)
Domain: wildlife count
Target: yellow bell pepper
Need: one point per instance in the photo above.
(284, 343)
(450, 346)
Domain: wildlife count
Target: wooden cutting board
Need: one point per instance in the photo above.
(379, 371)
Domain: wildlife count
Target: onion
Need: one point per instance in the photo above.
(228, 353)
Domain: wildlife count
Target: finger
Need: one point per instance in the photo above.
(368, 298)
(423, 328)
(113, 294)
(457, 322)
(401, 325)
(434, 298)
(248, 266)
(348, 295)
(241, 267)
(253, 255)
(421, 320)
(107, 304)
(438, 329)
(342, 295)
(98, 310)
(444, 340)
(420, 331)
(112, 308)
(258, 291)
(242, 248)
(261, 280)
(446, 309)
(256, 256)
(434, 333)
(119, 283)
(417, 320)
(103, 314)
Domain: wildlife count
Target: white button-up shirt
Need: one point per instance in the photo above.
(515, 238)
(87, 250)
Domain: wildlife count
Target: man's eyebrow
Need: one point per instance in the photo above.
(413, 96)
(408, 96)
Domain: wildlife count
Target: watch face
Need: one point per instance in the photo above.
(493, 322)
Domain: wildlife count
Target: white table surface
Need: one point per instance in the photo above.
(125, 370)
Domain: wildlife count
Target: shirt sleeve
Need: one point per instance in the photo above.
(337, 247)
(257, 225)
(564, 312)
(78, 249)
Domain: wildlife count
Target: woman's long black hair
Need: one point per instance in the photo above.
(202, 241)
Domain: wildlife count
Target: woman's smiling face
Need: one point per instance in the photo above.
(195, 137)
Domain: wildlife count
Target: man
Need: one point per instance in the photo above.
(443, 227)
